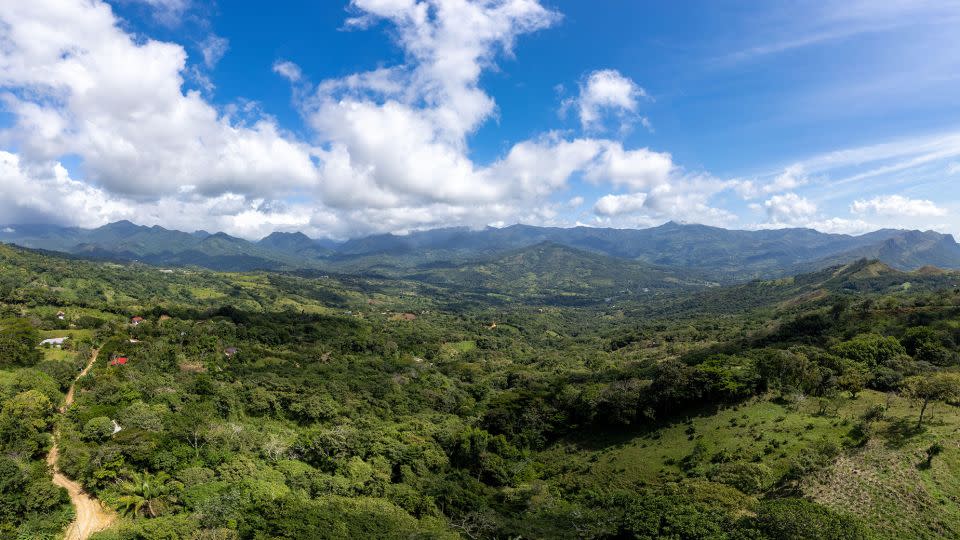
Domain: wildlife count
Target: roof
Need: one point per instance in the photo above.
(137, 319)
(55, 341)
(119, 361)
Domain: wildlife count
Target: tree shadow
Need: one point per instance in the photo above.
(899, 431)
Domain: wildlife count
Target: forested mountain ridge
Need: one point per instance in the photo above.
(551, 273)
(719, 254)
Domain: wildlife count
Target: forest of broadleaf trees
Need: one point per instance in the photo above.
(266, 405)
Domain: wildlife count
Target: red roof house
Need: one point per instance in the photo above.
(136, 320)
(121, 361)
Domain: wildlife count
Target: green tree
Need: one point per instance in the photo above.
(926, 345)
(23, 420)
(797, 519)
(147, 494)
(98, 428)
(854, 379)
(872, 350)
(925, 389)
(18, 343)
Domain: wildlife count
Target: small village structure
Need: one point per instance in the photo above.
(54, 342)
(136, 321)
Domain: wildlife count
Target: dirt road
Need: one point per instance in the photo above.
(92, 516)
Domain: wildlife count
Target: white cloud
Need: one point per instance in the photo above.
(213, 48)
(168, 12)
(288, 70)
(953, 168)
(46, 193)
(897, 205)
(83, 86)
(789, 209)
(790, 179)
(633, 169)
(842, 226)
(885, 158)
(828, 22)
(682, 197)
(614, 205)
(605, 91)
(389, 148)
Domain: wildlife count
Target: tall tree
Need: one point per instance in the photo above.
(925, 389)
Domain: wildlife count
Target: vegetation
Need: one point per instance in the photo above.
(721, 255)
(299, 405)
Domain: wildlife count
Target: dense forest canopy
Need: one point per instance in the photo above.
(305, 405)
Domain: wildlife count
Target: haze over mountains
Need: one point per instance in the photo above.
(685, 252)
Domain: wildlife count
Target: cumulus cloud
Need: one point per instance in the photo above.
(607, 91)
(388, 148)
(398, 135)
(633, 169)
(897, 205)
(45, 193)
(789, 209)
(79, 84)
(842, 226)
(614, 205)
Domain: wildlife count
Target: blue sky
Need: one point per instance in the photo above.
(348, 118)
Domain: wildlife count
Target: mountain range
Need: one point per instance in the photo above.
(684, 253)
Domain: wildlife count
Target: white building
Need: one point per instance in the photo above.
(54, 342)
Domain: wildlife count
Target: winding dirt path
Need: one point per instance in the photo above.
(92, 516)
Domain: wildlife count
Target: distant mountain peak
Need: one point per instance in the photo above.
(289, 235)
(223, 236)
(119, 225)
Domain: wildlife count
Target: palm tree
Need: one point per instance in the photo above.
(145, 493)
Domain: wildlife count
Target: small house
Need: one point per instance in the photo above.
(119, 361)
(54, 342)
(61, 315)
(230, 351)
(136, 321)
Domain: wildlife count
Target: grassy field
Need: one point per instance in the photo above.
(58, 355)
(75, 335)
(887, 480)
(883, 480)
(761, 430)
(456, 348)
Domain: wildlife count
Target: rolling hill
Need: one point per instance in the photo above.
(555, 274)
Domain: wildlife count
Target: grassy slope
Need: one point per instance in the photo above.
(880, 481)
(886, 483)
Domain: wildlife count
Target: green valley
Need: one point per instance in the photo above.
(480, 402)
